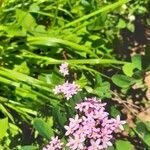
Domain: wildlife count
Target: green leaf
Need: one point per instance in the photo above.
(122, 80)
(98, 80)
(43, 128)
(147, 139)
(136, 60)
(6, 112)
(128, 68)
(49, 60)
(14, 30)
(114, 111)
(59, 116)
(3, 127)
(28, 147)
(25, 20)
(111, 148)
(97, 12)
(22, 68)
(143, 132)
(57, 42)
(34, 8)
(121, 24)
(124, 145)
(82, 81)
(103, 90)
(131, 27)
(147, 123)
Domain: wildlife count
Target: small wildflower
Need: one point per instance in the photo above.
(119, 123)
(63, 69)
(76, 143)
(95, 145)
(92, 129)
(54, 144)
(67, 89)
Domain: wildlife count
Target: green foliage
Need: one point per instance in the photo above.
(142, 130)
(43, 128)
(38, 35)
(122, 80)
(3, 126)
(28, 148)
(123, 145)
(102, 89)
(129, 67)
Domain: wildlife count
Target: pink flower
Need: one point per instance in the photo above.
(119, 123)
(54, 144)
(106, 141)
(69, 130)
(64, 69)
(95, 145)
(73, 125)
(76, 143)
(58, 89)
(67, 89)
(92, 128)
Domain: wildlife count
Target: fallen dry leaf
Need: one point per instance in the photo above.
(145, 115)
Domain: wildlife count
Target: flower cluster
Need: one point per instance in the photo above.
(67, 89)
(63, 69)
(91, 129)
(54, 144)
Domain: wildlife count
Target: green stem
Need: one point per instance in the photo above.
(79, 61)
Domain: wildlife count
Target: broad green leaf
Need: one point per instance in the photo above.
(147, 123)
(121, 24)
(128, 68)
(143, 132)
(98, 80)
(59, 116)
(3, 127)
(14, 30)
(147, 139)
(122, 80)
(111, 148)
(114, 111)
(124, 145)
(23, 68)
(82, 81)
(103, 90)
(43, 128)
(25, 19)
(34, 7)
(136, 60)
(131, 27)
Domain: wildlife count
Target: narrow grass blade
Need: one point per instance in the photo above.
(104, 9)
(51, 41)
(79, 61)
